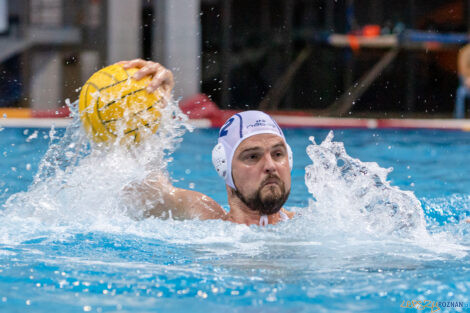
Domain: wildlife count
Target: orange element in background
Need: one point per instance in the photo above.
(30, 113)
(353, 42)
(15, 113)
(371, 30)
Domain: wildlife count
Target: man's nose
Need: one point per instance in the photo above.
(269, 164)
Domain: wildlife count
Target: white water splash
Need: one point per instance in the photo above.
(354, 198)
(79, 186)
(357, 193)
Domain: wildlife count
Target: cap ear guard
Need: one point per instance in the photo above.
(219, 159)
(290, 156)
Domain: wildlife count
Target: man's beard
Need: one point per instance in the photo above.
(271, 203)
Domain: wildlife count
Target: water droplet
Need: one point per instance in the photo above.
(201, 294)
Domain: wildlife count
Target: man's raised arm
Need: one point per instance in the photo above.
(156, 196)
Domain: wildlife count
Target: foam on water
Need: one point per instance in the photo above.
(354, 212)
(354, 198)
(357, 194)
(80, 186)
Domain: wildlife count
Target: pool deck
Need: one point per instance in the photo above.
(23, 117)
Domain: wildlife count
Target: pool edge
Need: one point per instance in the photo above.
(284, 121)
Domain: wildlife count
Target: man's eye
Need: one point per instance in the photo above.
(251, 156)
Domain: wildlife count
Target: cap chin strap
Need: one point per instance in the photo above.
(219, 160)
(263, 220)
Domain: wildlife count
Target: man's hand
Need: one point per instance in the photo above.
(161, 77)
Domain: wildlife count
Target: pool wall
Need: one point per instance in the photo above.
(23, 117)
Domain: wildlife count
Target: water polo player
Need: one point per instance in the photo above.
(252, 156)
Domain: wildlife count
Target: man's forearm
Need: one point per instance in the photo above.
(155, 196)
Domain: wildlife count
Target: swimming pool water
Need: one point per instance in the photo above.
(69, 247)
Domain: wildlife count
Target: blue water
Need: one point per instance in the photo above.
(66, 245)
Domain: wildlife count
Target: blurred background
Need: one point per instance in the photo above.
(371, 58)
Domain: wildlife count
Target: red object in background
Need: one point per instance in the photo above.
(371, 30)
(433, 45)
(199, 106)
(60, 112)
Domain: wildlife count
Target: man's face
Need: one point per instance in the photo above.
(261, 173)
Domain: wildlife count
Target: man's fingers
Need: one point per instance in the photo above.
(163, 79)
(139, 63)
(150, 69)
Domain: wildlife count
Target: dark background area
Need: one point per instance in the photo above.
(247, 45)
(268, 35)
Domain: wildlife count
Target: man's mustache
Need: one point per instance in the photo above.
(272, 179)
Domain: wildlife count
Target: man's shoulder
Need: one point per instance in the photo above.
(288, 213)
(199, 205)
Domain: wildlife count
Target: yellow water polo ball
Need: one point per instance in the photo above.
(115, 107)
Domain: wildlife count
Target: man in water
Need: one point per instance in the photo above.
(463, 91)
(252, 156)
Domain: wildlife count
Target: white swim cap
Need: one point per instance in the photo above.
(236, 129)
